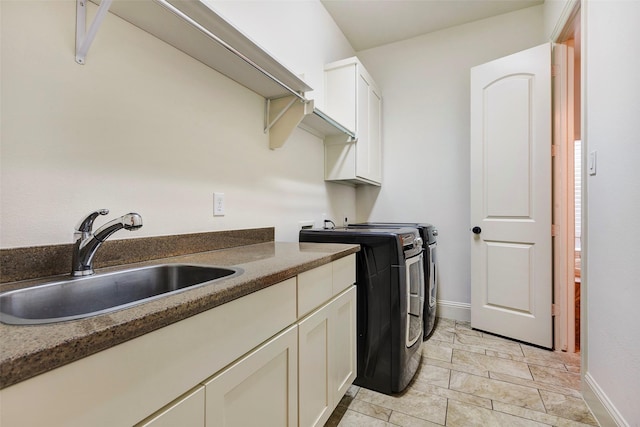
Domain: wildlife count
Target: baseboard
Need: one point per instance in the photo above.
(454, 310)
(600, 405)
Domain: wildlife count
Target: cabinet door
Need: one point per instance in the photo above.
(326, 358)
(260, 389)
(187, 411)
(343, 343)
(375, 135)
(368, 147)
(314, 388)
(363, 150)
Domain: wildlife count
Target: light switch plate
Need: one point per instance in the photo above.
(593, 157)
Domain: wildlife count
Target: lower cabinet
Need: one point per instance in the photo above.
(296, 378)
(326, 358)
(258, 390)
(282, 356)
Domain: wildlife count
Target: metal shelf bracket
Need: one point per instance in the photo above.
(84, 38)
(282, 115)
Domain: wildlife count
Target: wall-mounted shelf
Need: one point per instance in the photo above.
(195, 29)
(282, 115)
(323, 126)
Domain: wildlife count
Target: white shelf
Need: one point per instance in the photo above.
(323, 126)
(198, 31)
(195, 29)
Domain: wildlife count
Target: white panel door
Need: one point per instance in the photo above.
(314, 365)
(511, 258)
(327, 362)
(375, 136)
(260, 389)
(343, 344)
(363, 150)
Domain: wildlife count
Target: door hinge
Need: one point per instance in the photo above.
(555, 70)
(554, 230)
(554, 310)
(554, 150)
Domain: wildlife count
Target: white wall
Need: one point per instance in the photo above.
(425, 87)
(611, 128)
(142, 127)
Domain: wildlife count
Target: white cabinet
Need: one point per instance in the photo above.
(127, 383)
(327, 358)
(259, 389)
(326, 339)
(353, 99)
(233, 365)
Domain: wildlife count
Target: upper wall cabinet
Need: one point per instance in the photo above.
(194, 28)
(352, 98)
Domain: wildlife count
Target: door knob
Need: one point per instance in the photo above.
(476, 230)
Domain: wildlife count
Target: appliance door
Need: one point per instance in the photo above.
(433, 284)
(415, 298)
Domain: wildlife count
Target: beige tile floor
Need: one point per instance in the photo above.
(469, 378)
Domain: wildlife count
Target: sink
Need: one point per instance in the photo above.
(80, 297)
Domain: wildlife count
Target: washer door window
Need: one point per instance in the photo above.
(433, 276)
(415, 298)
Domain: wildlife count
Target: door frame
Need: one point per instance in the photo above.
(563, 166)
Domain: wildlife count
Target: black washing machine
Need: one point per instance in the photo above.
(429, 235)
(390, 300)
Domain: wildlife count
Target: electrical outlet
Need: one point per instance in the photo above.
(218, 204)
(303, 225)
(345, 221)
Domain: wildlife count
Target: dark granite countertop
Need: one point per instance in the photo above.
(26, 351)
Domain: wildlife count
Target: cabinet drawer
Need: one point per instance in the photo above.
(344, 273)
(315, 287)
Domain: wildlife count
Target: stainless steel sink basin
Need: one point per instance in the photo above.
(76, 298)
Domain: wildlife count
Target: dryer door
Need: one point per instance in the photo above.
(415, 298)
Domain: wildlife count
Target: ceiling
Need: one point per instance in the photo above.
(372, 23)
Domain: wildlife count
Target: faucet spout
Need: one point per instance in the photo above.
(131, 221)
(87, 243)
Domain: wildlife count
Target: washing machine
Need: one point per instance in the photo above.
(429, 235)
(390, 299)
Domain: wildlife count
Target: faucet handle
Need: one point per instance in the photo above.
(87, 224)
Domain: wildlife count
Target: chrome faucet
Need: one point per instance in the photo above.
(87, 242)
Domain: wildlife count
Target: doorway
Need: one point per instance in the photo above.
(567, 185)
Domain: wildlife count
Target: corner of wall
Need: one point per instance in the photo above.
(600, 405)
(556, 15)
